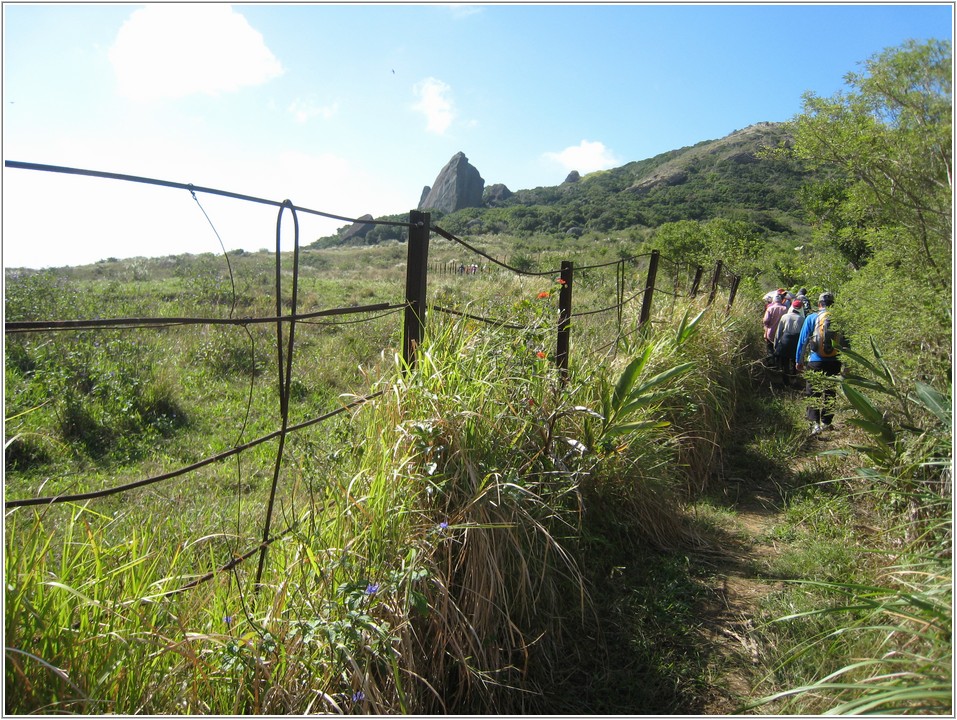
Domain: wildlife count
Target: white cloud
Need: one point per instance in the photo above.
(435, 104)
(585, 157)
(173, 50)
(303, 110)
(464, 11)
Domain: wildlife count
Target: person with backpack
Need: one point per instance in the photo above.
(820, 343)
(805, 303)
(772, 315)
(786, 340)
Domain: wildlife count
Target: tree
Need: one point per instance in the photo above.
(886, 144)
(885, 153)
(736, 243)
(683, 241)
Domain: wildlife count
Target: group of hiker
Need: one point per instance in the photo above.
(801, 338)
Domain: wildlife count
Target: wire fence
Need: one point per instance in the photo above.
(684, 282)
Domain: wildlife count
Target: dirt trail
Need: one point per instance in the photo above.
(741, 567)
(736, 588)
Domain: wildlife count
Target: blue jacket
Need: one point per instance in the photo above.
(807, 332)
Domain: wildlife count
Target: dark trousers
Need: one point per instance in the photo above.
(821, 401)
(784, 354)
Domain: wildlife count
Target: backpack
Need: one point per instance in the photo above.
(825, 341)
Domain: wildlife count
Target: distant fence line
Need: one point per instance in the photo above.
(415, 305)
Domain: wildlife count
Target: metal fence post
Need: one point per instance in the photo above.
(564, 318)
(415, 284)
(714, 281)
(649, 288)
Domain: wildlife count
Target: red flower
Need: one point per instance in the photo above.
(541, 355)
(544, 294)
(561, 281)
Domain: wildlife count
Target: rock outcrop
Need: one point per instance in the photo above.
(496, 195)
(573, 177)
(359, 229)
(660, 179)
(457, 186)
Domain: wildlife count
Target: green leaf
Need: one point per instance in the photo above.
(662, 377)
(869, 384)
(644, 400)
(625, 428)
(877, 429)
(934, 401)
(861, 360)
(863, 405)
(687, 329)
(628, 377)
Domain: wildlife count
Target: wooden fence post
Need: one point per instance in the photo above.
(564, 318)
(714, 281)
(649, 288)
(416, 273)
(699, 271)
(620, 291)
(734, 290)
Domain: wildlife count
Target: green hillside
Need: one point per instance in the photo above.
(733, 177)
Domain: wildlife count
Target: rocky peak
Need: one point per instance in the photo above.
(458, 185)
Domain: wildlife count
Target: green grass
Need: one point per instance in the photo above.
(865, 626)
(443, 548)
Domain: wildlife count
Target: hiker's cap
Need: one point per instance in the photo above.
(826, 299)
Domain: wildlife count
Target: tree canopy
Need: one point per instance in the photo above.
(883, 149)
(887, 144)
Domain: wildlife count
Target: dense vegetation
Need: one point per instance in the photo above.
(728, 178)
(446, 546)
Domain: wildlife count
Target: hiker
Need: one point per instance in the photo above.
(771, 296)
(805, 303)
(820, 344)
(786, 340)
(772, 316)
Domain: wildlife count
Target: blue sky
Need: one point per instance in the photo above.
(353, 109)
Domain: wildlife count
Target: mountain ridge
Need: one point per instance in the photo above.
(732, 176)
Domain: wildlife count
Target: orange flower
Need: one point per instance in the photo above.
(544, 294)
(561, 281)
(541, 355)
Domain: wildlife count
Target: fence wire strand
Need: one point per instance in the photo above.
(77, 497)
(285, 338)
(449, 236)
(190, 187)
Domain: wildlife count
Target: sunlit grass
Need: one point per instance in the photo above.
(443, 548)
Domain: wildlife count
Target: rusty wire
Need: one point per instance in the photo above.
(284, 349)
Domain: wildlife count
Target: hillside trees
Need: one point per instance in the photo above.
(884, 149)
(738, 244)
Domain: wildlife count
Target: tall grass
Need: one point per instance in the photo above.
(883, 645)
(432, 545)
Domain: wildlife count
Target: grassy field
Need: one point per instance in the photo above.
(441, 548)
